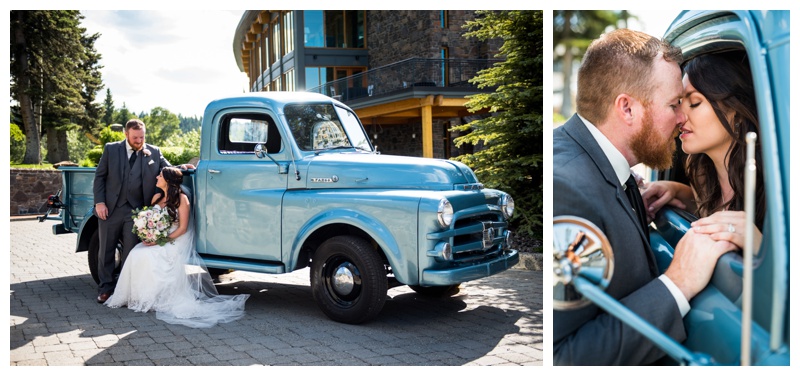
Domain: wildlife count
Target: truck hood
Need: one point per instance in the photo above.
(368, 171)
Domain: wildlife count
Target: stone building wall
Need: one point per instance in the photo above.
(395, 35)
(406, 139)
(29, 189)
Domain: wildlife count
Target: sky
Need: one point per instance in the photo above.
(176, 59)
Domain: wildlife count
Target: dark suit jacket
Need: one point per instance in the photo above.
(585, 185)
(110, 172)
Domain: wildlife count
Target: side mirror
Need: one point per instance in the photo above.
(260, 150)
(579, 249)
(583, 264)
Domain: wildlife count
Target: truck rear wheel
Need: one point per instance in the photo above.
(94, 254)
(348, 280)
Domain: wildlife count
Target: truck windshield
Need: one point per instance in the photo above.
(323, 126)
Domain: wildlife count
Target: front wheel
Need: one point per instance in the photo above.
(348, 280)
(94, 254)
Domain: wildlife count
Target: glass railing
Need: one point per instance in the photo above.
(404, 74)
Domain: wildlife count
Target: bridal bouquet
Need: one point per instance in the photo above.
(152, 224)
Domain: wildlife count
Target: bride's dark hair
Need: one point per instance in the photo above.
(726, 82)
(174, 177)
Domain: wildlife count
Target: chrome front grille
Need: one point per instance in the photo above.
(478, 236)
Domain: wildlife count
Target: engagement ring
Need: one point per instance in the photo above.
(731, 228)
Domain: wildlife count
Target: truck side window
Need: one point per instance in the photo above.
(239, 133)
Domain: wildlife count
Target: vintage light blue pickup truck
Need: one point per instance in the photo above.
(290, 180)
(742, 316)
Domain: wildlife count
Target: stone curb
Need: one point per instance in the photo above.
(529, 261)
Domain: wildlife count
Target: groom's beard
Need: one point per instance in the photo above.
(649, 149)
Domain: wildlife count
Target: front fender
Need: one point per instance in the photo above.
(373, 227)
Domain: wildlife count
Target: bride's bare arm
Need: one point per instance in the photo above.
(183, 218)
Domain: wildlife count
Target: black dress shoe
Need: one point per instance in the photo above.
(103, 297)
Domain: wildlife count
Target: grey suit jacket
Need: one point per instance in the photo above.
(110, 172)
(584, 185)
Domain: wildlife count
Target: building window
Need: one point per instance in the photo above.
(288, 32)
(276, 40)
(443, 19)
(313, 29)
(315, 76)
(264, 49)
(276, 84)
(445, 54)
(289, 80)
(334, 28)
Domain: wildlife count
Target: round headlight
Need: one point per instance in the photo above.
(507, 205)
(445, 213)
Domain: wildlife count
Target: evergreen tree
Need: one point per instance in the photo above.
(511, 159)
(123, 115)
(108, 104)
(54, 77)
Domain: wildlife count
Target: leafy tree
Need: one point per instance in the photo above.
(54, 75)
(161, 125)
(17, 144)
(573, 31)
(512, 154)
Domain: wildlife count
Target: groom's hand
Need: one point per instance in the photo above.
(101, 210)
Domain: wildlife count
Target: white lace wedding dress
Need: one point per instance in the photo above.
(172, 281)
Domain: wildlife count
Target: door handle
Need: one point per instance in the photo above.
(214, 171)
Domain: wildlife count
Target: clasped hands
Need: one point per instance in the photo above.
(728, 225)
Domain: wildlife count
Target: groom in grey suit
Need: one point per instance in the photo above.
(628, 112)
(125, 180)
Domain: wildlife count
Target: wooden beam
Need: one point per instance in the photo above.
(263, 17)
(427, 132)
(454, 102)
(388, 108)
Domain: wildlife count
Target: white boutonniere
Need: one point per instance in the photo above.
(146, 152)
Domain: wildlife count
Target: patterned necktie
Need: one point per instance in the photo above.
(132, 159)
(632, 191)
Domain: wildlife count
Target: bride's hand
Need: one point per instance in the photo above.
(727, 225)
(149, 244)
(656, 195)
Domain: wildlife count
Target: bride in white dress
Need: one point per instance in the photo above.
(172, 279)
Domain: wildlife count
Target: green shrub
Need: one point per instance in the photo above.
(78, 144)
(94, 154)
(107, 135)
(17, 144)
(178, 155)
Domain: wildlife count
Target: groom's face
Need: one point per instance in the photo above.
(654, 143)
(135, 138)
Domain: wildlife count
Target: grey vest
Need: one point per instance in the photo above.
(132, 184)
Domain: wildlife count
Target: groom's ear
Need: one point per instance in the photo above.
(624, 108)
